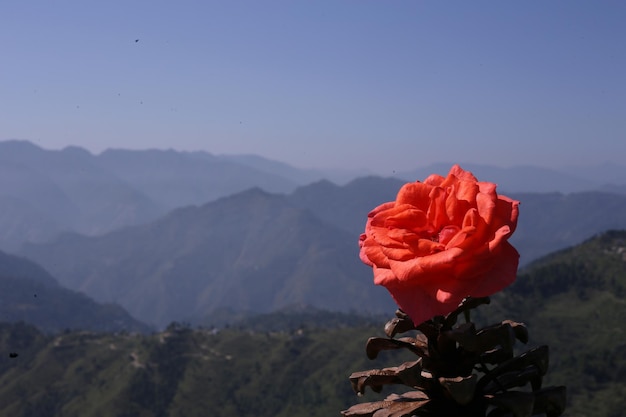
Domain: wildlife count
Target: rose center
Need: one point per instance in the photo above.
(446, 234)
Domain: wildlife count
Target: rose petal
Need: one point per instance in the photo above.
(425, 247)
(486, 201)
(419, 305)
(461, 174)
(460, 199)
(415, 194)
(434, 180)
(507, 210)
(502, 273)
(371, 253)
(382, 207)
(461, 238)
(425, 268)
(466, 191)
(437, 216)
(409, 218)
(390, 238)
(398, 254)
(384, 276)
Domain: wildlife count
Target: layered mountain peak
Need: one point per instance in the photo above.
(250, 251)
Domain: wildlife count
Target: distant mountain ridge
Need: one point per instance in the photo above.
(252, 251)
(553, 221)
(47, 192)
(62, 191)
(547, 221)
(256, 251)
(530, 179)
(177, 179)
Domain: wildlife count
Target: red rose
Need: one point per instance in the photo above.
(442, 240)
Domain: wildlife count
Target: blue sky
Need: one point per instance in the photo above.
(382, 85)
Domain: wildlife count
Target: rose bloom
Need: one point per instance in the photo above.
(442, 240)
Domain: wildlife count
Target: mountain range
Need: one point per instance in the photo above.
(118, 239)
(260, 252)
(251, 251)
(47, 192)
(134, 228)
(533, 179)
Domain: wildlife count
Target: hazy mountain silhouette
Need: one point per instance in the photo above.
(176, 179)
(296, 175)
(64, 190)
(252, 251)
(21, 221)
(32, 206)
(346, 206)
(255, 251)
(547, 222)
(301, 176)
(615, 189)
(606, 174)
(553, 221)
(45, 192)
(531, 179)
(29, 293)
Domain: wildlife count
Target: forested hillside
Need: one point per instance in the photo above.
(180, 372)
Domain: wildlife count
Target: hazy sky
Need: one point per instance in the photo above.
(377, 84)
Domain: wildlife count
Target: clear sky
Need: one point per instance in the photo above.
(384, 85)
